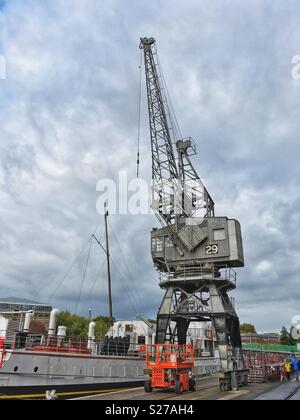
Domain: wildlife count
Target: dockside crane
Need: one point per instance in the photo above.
(194, 251)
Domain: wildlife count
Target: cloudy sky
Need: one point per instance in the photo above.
(69, 117)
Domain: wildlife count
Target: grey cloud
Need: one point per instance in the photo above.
(68, 117)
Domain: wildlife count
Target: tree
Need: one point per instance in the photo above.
(77, 326)
(102, 326)
(286, 337)
(247, 328)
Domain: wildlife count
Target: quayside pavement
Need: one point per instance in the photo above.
(207, 389)
(286, 391)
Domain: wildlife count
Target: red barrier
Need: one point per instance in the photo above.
(2, 352)
(52, 349)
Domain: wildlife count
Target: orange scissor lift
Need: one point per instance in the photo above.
(169, 367)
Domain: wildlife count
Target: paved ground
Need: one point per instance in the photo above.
(207, 389)
(296, 396)
(286, 391)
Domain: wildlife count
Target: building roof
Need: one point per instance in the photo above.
(249, 334)
(16, 300)
(260, 335)
(275, 335)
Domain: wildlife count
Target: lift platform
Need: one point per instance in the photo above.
(169, 367)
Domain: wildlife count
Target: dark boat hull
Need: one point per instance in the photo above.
(65, 391)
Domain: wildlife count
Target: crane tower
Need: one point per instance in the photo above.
(194, 251)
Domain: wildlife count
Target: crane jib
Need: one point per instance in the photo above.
(177, 189)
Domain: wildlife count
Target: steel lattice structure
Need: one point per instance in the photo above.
(194, 253)
(164, 168)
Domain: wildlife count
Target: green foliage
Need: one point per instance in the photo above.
(247, 328)
(77, 326)
(102, 326)
(286, 337)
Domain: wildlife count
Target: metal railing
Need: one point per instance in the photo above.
(52, 344)
(187, 271)
(169, 355)
(120, 348)
(268, 347)
(107, 347)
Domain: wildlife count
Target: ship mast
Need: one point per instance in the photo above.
(107, 253)
(110, 304)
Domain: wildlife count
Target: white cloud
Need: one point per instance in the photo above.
(68, 117)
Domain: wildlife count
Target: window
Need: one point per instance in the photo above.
(219, 235)
(141, 339)
(129, 328)
(157, 245)
(153, 245)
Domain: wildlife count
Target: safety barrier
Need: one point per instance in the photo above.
(264, 365)
(222, 272)
(2, 351)
(106, 347)
(169, 355)
(278, 348)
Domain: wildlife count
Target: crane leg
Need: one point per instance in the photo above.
(181, 306)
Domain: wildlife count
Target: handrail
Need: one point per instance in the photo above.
(270, 347)
(106, 347)
(169, 355)
(222, 272)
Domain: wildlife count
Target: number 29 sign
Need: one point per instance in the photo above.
(211, 249)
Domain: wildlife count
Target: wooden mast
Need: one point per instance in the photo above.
(111, 320)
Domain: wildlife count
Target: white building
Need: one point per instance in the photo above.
(139, 331)
(201, 335)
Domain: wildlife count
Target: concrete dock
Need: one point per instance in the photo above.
(286, 391)
(207, 389)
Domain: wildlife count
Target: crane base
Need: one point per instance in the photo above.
(233, 380)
